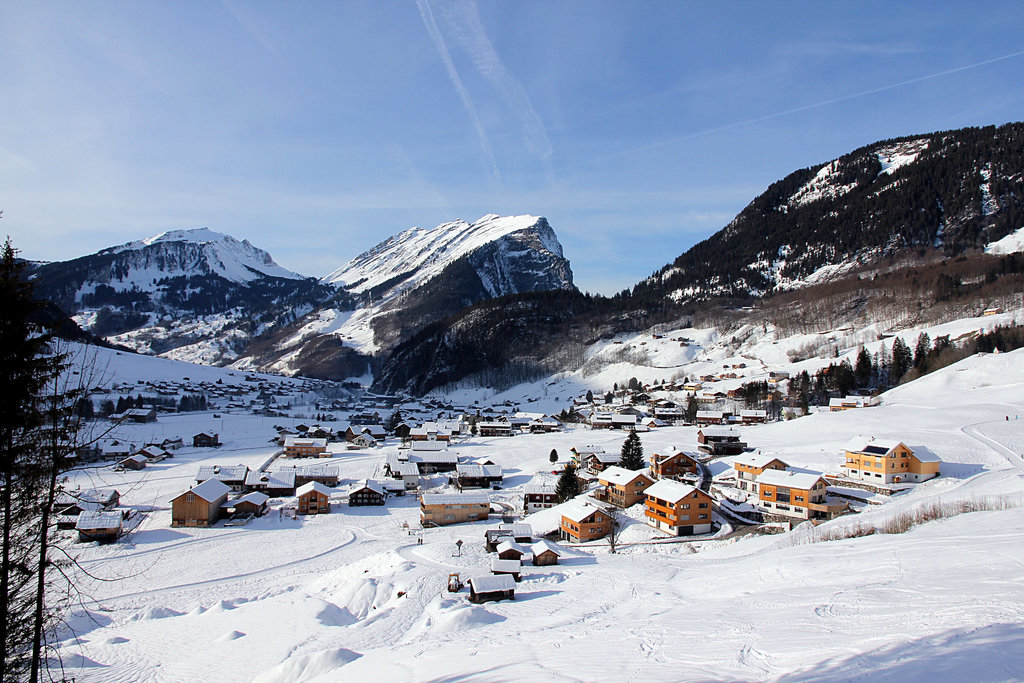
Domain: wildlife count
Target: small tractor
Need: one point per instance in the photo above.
(454, 583)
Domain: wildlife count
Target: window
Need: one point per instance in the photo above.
(798, 499)
(702, 516)
(685, 506)
(702, 505)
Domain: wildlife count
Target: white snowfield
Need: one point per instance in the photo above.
(235, 260)
(425, 253)
(1011, 244)
(351, 595)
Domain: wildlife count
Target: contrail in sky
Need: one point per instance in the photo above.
(463, 18)
(428, 20)
(806, 107)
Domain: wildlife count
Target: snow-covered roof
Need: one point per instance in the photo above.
(222, 472)
(474, 498)
(506, 565)
(620, 476)
(576, 510)
(510, 545)
(493, 583)
(861, 444)
(374, 486)
(439, 457)
(210, 490)
(795, 480)
(605, 457)
(468, 470)
(757, 460)
(253, 497)
(545, 489)
(304, 442)
(313, 486)
(429, 446)
(99, 520)
(670, 490)
(316, 471)
(924, 454)
(281, 479)
(518, 529)
(543, 546)
(719, 431)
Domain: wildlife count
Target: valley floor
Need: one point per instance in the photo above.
(353, 594)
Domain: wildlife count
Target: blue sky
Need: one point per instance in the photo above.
(317, 129)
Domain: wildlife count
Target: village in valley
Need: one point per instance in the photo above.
(383, 507)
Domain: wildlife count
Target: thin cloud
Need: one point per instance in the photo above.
(442, 48)
(462, 18)
(806, 107)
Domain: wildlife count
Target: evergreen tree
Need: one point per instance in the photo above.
(35, 420)
(691, 409)
(901, 360)
(921, 349)
(863, 370)
(554, 455)
(568, 485)
(632, 452)
(590, 396)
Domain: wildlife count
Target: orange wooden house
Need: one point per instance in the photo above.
(673, 463)
(678, 509)
(749, 467)
(583, 522)
(313, 498)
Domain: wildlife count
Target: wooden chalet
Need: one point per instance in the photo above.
(753, 416)
(305, 447)
(139, 415)
(277, 484)
(367, 492)
(470, 476)
(494, 428)
(324, 474)
(491, 588)
(712, 417)
(313, 498)
(801, 495)
(431, 462)
(205, 440)
(678, 509)
(886, 461)
(595, 463)
(440, 509)
(232, 475)
(720, 441)
(674, 463)
(538, 497)
(583, 522)
(749, 466)
(621, 487)
(200, 505)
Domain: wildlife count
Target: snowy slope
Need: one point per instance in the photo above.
(199, 251)
(351, 595)
(417, 255)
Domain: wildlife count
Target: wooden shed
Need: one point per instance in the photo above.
(545, 553)
(510, 550)
(492, 588)
(104, 526)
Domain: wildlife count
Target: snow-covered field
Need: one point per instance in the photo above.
(353, 596)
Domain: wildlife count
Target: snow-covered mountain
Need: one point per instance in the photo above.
(412, 279)
(944, 193)
(199, 251)
(195, 294)
(510, 254)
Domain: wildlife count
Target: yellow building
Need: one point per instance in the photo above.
(889, 462)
